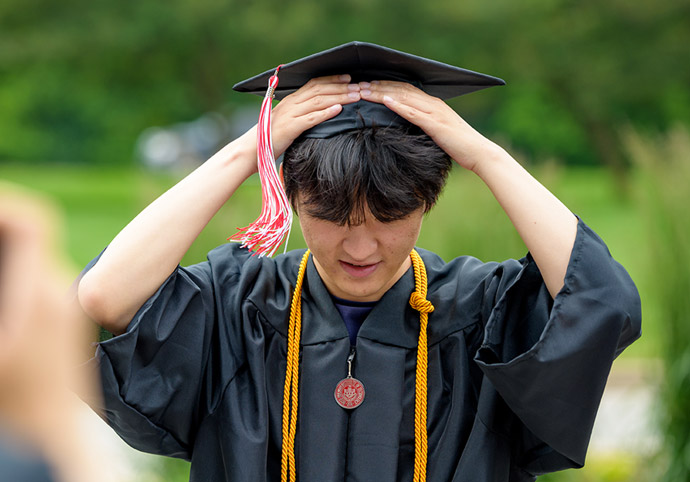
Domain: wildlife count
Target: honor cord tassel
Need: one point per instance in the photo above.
(266, 234)
(419, 302)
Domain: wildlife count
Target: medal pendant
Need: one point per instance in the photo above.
(349, 393)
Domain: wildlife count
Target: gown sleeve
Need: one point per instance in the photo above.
(549, 360)
(156, 376)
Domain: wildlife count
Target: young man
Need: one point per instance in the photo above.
(458, 371)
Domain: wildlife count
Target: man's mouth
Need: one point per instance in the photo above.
(358, 270)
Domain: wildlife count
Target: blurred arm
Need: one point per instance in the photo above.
(40, 335)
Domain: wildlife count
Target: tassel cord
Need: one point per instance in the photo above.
(273, 225)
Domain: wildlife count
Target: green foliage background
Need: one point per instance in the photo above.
(80, 79)
(597, 104)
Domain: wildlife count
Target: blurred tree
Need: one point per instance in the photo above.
(79, 80)
(579, 69)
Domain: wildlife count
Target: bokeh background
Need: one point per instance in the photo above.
(104, 104)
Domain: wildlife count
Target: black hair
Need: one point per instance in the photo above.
(392, 171)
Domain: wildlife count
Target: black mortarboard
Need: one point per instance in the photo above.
(367, 62)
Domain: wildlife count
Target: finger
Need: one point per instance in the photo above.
(295, 107)
(312, 90)
(310, 118)
(391, 86)
(400, 92)
(316, 117)
(331, 79)
(286, 130)
(412, 114)
(320, 102)
(331, 82)
(416, 111)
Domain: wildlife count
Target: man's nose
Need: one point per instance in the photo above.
(360, 244)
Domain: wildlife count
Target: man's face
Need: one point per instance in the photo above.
(361, 263)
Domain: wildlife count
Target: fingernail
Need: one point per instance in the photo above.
(377, 82)
(354, 87)
(353, 95)
(365, 93)
(345, 78)
(364, 85)
(387, 98)
(334, 107)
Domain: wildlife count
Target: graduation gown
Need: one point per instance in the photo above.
(514, 378)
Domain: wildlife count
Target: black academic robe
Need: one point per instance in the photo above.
(514, 378)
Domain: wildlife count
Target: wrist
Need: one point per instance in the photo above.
(239, 155)
(490, 157)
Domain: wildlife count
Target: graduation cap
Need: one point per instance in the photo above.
(366, 62)
(363, 62)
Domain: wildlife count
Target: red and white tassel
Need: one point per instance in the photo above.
(266, 234)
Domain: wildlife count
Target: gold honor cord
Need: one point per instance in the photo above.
(290, 392)
(419, 302)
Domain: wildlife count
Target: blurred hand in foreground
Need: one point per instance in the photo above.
(42, 335)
